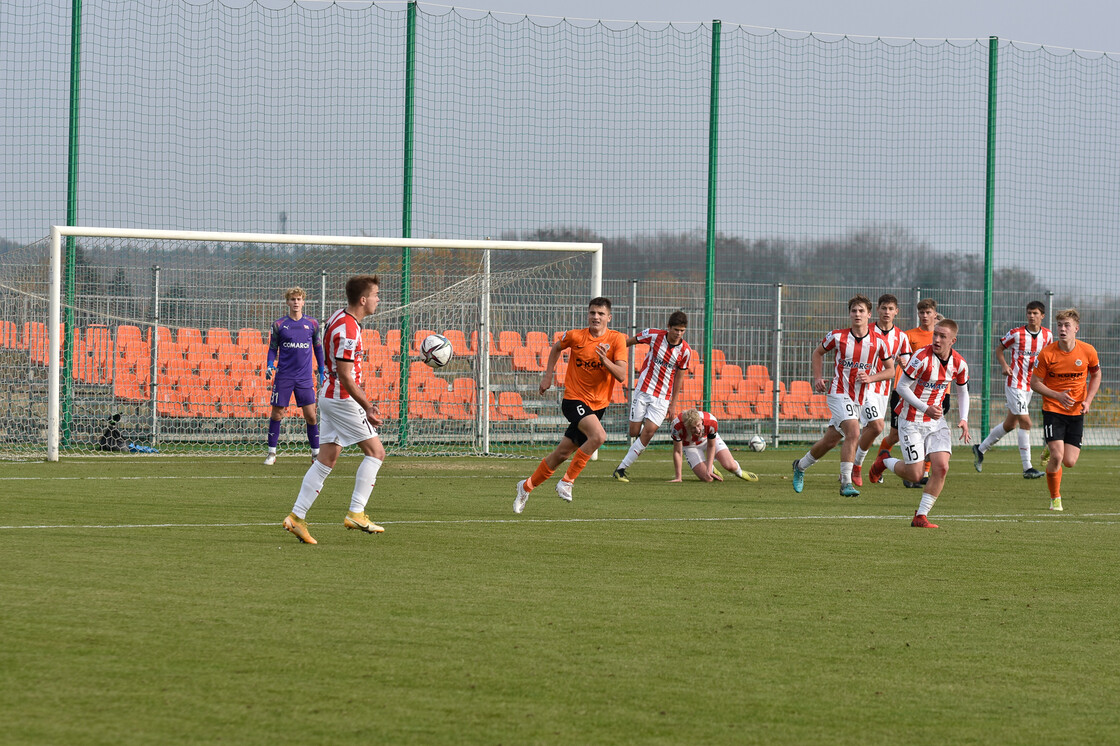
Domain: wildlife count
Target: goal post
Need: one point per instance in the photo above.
(197, 305)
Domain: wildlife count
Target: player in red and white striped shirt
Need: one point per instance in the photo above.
(659, 382)
(695, 436)
(860, 352)
(921, 421)
(875, 399)
(346, 416)
(1024, 343)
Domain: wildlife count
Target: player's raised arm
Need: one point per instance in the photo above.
(819, 383)
(550, 366)
(617, 368)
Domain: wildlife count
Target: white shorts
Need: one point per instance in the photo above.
(695, 454)
(919, 439)
(343, 422)
(1017, 399)
(874, 408)
(646, 407)
(842, 408)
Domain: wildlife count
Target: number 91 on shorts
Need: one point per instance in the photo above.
(919, 439)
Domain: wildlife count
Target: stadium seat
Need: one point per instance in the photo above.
(618, 393)
(508, 341)
(640, 353)
(127, 334)
(457, 403)
(733, 374)
(246, 338)
(188, 335)
(371, 338)
(218, 335)
(718, 361)
(474, 343)
(818, 407)
(525, 360)
(795, 405)
(393, 341)
(458, 342)
(723, 391)
(536, 340)
(495, 414)
(511, 405)
(418, 338)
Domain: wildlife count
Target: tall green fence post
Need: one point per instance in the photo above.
(406, 219)
(989, 209)
(710, 275)
(69, 279)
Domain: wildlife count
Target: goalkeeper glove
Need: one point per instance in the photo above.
(322, 374)
(269, 371)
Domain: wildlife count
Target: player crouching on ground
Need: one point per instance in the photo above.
(689, 431)
(921, 421)
(1068, 375)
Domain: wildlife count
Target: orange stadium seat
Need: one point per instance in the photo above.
(718, 361)
(218, 335)
(525, 360)
(393, 341)
(511, 405)
(418, 338)
(495, 414)
(508, 341)
(9, 335)
(187, 335)
(818, 407)
(248, 338)
(458, 342)
(536, 340)
(795, 405)
(732, 374)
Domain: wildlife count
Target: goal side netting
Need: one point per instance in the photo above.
(163, 338)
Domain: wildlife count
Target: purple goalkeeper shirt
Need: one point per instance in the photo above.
(290, 346)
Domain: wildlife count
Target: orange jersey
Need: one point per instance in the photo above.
(587, 379)
(1066, 371)
(919, 338)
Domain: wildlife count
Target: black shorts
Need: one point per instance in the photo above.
(894, 400)
(1067, 428)
(575, 410)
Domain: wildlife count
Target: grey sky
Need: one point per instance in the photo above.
(1090, 25)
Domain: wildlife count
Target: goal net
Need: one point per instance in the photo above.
(163, 338)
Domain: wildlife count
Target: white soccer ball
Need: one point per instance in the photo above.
(436, 350)
(757, 443)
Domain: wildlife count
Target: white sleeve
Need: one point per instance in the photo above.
(962, 400)
(905, 389)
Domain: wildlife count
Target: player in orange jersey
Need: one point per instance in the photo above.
(598, 359)
(1068, 375)
(920, 336)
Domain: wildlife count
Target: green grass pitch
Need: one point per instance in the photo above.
(157, 600)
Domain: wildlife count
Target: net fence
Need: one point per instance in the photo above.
(840, 163)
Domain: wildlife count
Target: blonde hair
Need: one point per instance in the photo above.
(1068, 313)
(296, 292)
(690, 418)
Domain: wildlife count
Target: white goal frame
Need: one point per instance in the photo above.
(55, 313)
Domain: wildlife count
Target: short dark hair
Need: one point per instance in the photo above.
(926, 304)
(860, 300)
(948, 324)
(1037, 305)
(358, 286)
(678, 318)
(600, 301)
(886, 298)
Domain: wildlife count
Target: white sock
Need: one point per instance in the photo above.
(860, 456)
(631, 456)
(993, 438)
(890, 463)
(315, 452)
(1024, 437)
(926, 505)
(313, 480)
(846, 472)
(272, 450)
(363, 483)
(806, 461)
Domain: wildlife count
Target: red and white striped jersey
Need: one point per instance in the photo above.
(898, 345)
(656, 376)
(932, 377)
(678, 432)
(342, 341)
(854, 354)
(1024, 347)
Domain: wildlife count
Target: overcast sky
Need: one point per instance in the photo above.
(1089, 25)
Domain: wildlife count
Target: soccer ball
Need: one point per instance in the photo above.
(436, 350)
(757, 443)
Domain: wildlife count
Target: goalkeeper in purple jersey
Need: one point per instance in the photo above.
(293, 339)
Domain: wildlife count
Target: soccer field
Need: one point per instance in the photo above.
(158, 600)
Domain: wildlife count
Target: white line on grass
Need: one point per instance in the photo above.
(1004, 518)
